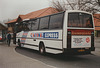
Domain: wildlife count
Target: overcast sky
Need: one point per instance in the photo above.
(10, 9)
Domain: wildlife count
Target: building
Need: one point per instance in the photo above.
(97, 24)
(32, 15)
(3, 31)
(11, 24)
(2, 27)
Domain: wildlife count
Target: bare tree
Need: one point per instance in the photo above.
(92, 6)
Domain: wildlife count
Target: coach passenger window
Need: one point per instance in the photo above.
(25, 26)
(44, 23)
(35, 24)
(56, 21)
(29, 25)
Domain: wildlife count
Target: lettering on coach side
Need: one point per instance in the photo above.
(37, 35)
(45, 35)
(51, 35)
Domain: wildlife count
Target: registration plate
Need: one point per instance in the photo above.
(81, 50)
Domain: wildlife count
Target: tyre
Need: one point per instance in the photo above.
(19, 44)
(42, 49)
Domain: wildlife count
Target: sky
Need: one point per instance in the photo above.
(10, 9)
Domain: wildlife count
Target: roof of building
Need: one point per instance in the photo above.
(97, 21)
(12, 21)
(42, 12)
(2, 27)
(36, 14)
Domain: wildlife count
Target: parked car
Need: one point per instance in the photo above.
(0, 37)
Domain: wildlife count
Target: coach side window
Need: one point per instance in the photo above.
(25, 26)
(56, 21)
(44, 23)
(29, 25)
(34, 24)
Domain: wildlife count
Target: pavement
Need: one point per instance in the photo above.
(97, 46)
(9, 58)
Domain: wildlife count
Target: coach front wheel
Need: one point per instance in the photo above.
(19, 44)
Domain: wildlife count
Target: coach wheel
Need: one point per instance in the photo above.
(41, 48)
(19, 44)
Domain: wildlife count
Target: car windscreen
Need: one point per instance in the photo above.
(77, 19)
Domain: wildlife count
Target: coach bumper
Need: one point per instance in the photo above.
(77, 51)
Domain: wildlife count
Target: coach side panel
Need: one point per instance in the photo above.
(52, 40)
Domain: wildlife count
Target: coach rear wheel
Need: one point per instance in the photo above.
(41, 48)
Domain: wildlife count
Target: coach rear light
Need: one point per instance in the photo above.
(69, 32)
(92, 32)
